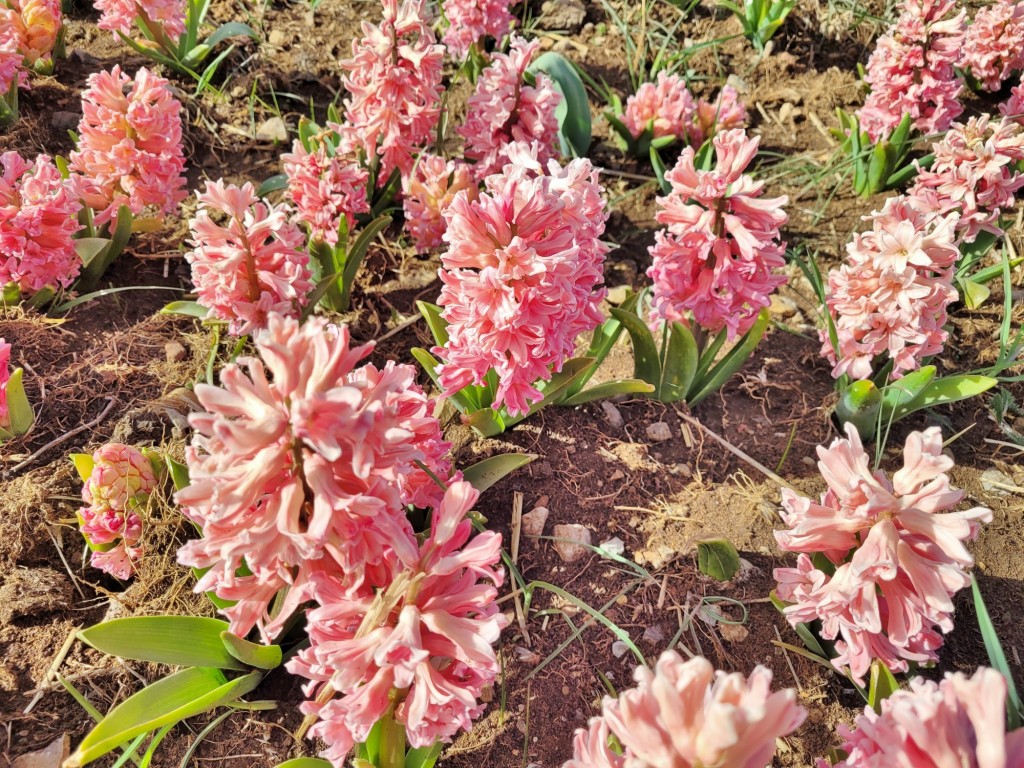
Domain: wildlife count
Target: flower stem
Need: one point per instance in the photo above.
(392, 742)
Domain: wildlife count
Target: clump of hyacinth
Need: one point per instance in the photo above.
(471, 21)
(5, 375)
(119, 16)
(911, 71)
(302, 463)
(129, 145)
(723, 113)
(11, 62)
(1013, 107)
(120, 482)
(37, 224)
(716, 255)
(522, 275)
(668, 108)
(325, 189)
(394, 84)
(505, 110)
(413, 642)
(428, 191)
(994, 48)
(975, 173)
(34, 26)
(959, 722)
(684, 714)
(251, 266)
(897, 547)
(891, 295)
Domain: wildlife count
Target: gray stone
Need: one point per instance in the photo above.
(658, 432)
(572, 542)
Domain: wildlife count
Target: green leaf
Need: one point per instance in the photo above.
(437, 324)
(464, 400)
(486, 473)
(83, 464)
(192, 641)
(304, 762)
(901, 132)
(179, 696)
(189, 308)
(251, 654)
(231, 29)
(975, 294)
(948, 389)
(659, 170)
(881, 684)
(878, 168)
(276, 183)
(718, 559)
(859, 405)
(803, 631)
(357, 253)
(573, 110)
(678, 365)
(178, 473)
(196, 55)
(996, 656)
(95, 263)
(423, 757)
(905, 391)
(19, 410)
(732, 362)
(609, 389)
(646, 365)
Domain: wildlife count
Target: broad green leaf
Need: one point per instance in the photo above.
(975, 294)
(906, 390)
(732, 362)
(317, 295)
(83, 464)
(678, 366)
(356, 254)
(304, 762)
(486, 421)
(192, 641)
(573, 110)
(645, 353)
(189, 308)
(718, 559)
(486, 473)
(437, 324)
(369, 750)
(178, 473)
(901, 132)
(878, 168)
(996, 656)
(89, 248)
(881, 684)
(859, 404)
(184, 694)
(948, 389)
(19, 410)
(231, 29)
(276, 183)
(196, 55)
(423, 757)
(605, 336)
(609, 389)
(251, 654)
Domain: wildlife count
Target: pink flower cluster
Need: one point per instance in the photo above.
(470, 21)
(898, 553)
(251, 267)
(892, 293)
(31, 27)
(668, 109)
(120, 15)
(975, 173)
(394, 85)
(994, 48)
(417, 637)
(5, 375)
(720, 243)
(911, 71)
(129, 145)
(325, 189)
(522, 275)
(302, 464)
(959, 722)
(37, 224)
(1013, 107)
(505, 110)
(11, 60)
(684, 714)
(121, 480)
(429, 190)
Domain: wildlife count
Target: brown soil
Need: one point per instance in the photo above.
(107, 365)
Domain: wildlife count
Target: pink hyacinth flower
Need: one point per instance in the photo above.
(119, 16)
(958, 722)
(684, 714)
(37, 223)
(892, 293)
(325, 190)
(522, 276)
(716, 256)
(428, 191)
(974, 173)
(424, 628)
(911, 71)
(665, 107)
(994, 48)
(1013, 107)
(129, 145)
(899, 553)
(5, 375)
(121, 476)
(253, 266)
(724, 113)
(119, 561)
(11, 62)
(301, 463)
(470, 21)
(394, 85)
(505, 110)
(33, 26)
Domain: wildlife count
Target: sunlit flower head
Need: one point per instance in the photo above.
(325, 189)
(470, 21)
(428, 191)
(994, 47)
(120, 15)
(35, 25)
(666, 108)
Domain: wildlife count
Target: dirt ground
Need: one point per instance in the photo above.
(106, 370)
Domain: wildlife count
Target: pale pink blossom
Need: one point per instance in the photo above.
(420, 633)
(898, 553)
(298, 466)
(5, 375)
(1013, 107)
(251, 267)
(11, 63)
(505, 110)
(975, 173)
(891, 295)
(428, 191)
(666, 108)
(113, 536)
(325, 189)
(911, 71)
(470, 21)
(120, 15)
(129, 145)
(522, 276)
(35, 25)
(394, 85)
(37, 223)
(121, 476)
(119, 561)
(716, 255)
(956, 723)
(723, 113)
(684, 714)
(994, 48)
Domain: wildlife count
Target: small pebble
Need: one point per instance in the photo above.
(272, 129)
(534, 520)
(619, 649)
(613, 546)
(659, 432)
(175, 351)
(572, 541)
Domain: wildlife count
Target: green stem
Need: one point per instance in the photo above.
(392, 742)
